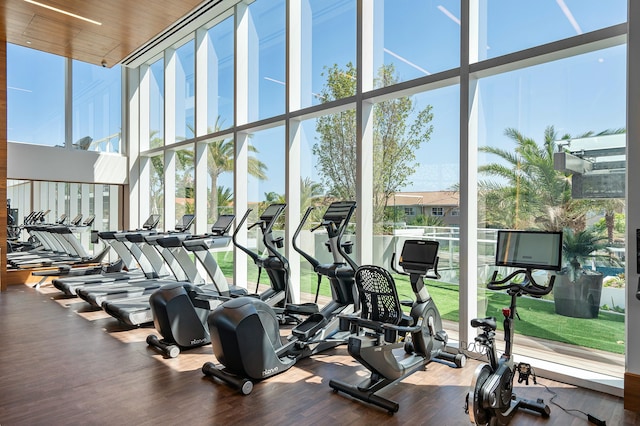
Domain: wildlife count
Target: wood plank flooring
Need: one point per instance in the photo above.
(64, 364)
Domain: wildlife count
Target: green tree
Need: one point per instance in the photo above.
(398, 132)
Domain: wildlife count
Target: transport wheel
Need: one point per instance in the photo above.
(173, 351)
(460, 360)
(247, 387)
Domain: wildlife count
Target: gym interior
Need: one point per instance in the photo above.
(328, 212)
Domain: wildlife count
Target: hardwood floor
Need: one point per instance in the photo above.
(61, 363)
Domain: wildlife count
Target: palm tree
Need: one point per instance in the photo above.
(539, 195)
(220, 156)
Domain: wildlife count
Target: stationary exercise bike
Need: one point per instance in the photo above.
(383, 328)
(491, 400)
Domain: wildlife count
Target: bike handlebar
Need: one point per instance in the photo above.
(528, 286)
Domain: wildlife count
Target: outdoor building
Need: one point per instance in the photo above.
(444, 205)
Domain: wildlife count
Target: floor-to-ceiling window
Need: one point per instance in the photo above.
(381, 116)
(97, 114)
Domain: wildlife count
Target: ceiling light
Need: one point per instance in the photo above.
(55, 9)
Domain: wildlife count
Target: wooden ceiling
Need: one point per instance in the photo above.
(125, 26)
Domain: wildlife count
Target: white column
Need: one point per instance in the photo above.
(134, 126)
(170, 72)
(240, 185)
(469, 117)
(633, 197)
(144, 183)
(245, 58)
(201, 178)
(73, 200)
(169, 189)
(292, 217)
(299, 42)
(364, 132)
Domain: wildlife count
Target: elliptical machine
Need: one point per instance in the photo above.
(274, 263)
(491, 400)
(383, 322)
(245, 335)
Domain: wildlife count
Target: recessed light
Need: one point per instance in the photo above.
(55, 9)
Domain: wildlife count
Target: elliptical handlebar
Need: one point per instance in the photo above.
(528, 286)
(314, 262)
(251, 254)
(343, 227)
(333, 230)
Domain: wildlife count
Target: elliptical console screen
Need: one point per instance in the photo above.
(529, 249)
(271, 211)
(419, 255)
(223, 224)
(338, 211)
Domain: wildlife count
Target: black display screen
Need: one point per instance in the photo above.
(529, 249)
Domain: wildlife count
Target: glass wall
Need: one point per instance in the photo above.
(531, 118)
(155, 77)
(507, 26)
(265, 72)
(220, 76)
(36, 101)
(391, 129)
(185, 183)
(220, 160)
(35, 97)
(185, 89)
(325, 25)
(97, 113)
(415, 38)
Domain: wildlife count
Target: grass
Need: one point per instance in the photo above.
(537, 317)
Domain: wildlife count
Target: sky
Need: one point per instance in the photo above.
(420, 37)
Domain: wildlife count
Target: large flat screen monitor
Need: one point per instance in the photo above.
(529, 249)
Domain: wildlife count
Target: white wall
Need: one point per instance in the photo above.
(36, 162)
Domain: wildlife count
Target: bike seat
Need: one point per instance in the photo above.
(489, 322)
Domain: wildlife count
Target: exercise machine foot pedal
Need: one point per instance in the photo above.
(309, 327)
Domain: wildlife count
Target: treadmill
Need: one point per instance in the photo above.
(132, 259)
(162, 272)
(137, 311)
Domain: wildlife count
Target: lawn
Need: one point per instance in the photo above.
(537, 317)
